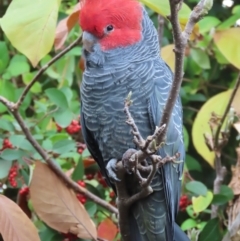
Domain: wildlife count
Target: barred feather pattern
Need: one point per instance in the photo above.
(107, 80)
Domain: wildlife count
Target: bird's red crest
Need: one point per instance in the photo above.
(124, 15)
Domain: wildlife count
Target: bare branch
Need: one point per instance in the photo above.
(180, 41)
(44, 68)
(237, 85)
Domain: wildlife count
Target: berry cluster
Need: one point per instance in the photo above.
(24, 191)
(81, 197)
(184, 202)
(12, 175)
(89, 176)
(6, 145)
(73, 128)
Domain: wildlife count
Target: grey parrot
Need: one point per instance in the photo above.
(121, 54)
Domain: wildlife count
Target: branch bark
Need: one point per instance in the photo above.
(180, 41)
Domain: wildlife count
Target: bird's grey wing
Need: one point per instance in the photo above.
(93, 148)
(170, 172)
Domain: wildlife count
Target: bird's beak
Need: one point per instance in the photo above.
(88, 41)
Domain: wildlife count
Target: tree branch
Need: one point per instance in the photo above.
(180, 41)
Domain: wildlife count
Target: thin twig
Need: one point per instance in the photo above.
(44, 68)
(226, 110)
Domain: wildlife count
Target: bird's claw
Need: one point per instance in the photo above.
(111, 169)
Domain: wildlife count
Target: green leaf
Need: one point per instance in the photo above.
(225, 195)
(64, 146)
(211, 231)
(57, 97)
(58, 137)
(63, 117)
(16, 140)
(196, 188)
(4, 56)
(27, 78)
(202, 202)
(78, 171)
(91, 208)
(220, 199)
(236, 9)
(162, 7)
(188, 224)
(6, 125)
(191, 212)
(95, 191)
(231, 51)
(33, 33)
(201, 58)
(207, 23)
(4, 168)
(227, 191)
(216, 104)
(18, 65)
(48, 234)
(192, 164)
(86, 153)
(7, 90)
(231, 21)
(11, 154)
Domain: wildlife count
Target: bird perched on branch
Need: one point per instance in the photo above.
(122, 54)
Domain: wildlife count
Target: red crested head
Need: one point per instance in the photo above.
(116, 23)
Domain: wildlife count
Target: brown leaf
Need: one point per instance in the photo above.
(15, 225)
(65, 26)
(58, 205)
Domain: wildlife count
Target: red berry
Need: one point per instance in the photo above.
(59, 128)
(75, 122)
(89, 176)
(83, 200)
(80, 150)
(112, 194)
(81, 183)
(103, 182)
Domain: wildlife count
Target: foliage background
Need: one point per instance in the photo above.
(211, 67)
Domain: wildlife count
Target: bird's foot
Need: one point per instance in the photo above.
(111, 169)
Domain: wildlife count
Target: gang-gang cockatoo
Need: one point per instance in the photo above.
(121, 54)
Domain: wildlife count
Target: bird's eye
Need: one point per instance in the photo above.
(109, 28)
